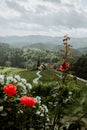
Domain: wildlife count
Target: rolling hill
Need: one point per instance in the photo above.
(41, 46)
(83, 50)
(21, 41)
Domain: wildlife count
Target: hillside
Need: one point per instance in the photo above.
(21, 41)
(83, 50)
(41, 46)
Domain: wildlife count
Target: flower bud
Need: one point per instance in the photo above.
(1, 108)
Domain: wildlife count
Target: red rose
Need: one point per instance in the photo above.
(61, 68)
(64, 66)
(27, 101)
(10, 90)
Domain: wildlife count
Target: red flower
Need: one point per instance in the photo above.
(64, 66)
(27, 101)
(10, 90)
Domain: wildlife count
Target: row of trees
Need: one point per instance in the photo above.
(80, 67)
(24, 57)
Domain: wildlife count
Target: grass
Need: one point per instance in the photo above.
(79, 105)
(28, 75)
(24, 73)
(48, 76)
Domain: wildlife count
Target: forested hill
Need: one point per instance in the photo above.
(83, 50)
(41, 46)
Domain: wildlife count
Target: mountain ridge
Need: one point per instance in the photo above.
(21, 41)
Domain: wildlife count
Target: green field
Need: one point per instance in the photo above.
(24, 73)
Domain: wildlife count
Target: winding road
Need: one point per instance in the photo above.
(35, 81)
(76, 77)
(82, 79)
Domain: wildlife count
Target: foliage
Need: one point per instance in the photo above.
(80, 67)
(18, 109)
(49, 75)
(63, 94)
(66, 57)
(26, 58)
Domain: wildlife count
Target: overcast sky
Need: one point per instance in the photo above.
(43, 17)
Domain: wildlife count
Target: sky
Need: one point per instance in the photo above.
(43, 17)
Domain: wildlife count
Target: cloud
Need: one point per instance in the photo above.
(14, 5)
(6, 12)
(53, 1)
(50, 17)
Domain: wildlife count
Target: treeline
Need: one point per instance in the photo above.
(80, 67)
(25, 57)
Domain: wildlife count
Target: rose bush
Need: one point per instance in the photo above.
(19, 110)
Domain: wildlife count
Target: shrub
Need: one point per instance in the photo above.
(18, 109)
